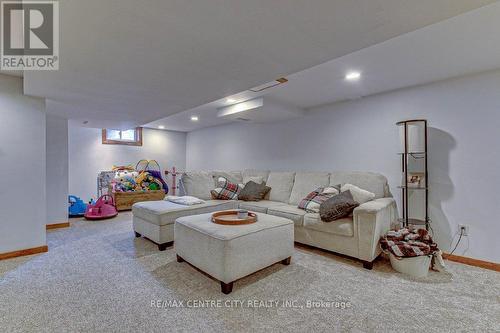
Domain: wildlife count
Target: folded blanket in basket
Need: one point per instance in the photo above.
(408, 243)
(185, 200)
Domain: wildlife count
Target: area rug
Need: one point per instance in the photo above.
(97, 277)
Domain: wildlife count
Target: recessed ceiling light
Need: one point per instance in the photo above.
(194, 118)
(230, 100)
(161, 127)
(353, 76)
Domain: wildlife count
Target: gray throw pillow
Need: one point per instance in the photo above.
(337, 207)
(253, 191)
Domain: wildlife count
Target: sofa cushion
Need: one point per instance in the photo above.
(259, 206)
(198, 184)
(373, 182)
(290, 212)
(253, 192)
(256, 179)
(281, 184)
(165, 212)
(232, 176)
(305, 182)
(247, 174)
(342, 227)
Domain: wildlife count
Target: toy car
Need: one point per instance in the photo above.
(76, 206)
(104, 208)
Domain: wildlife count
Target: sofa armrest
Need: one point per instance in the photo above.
(371, 221)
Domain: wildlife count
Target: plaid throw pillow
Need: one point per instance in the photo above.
(226, 190)
(314, 199)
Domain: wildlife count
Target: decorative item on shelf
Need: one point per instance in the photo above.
(414, 160)
(416, 179)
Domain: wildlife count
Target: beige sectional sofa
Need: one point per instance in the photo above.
(355, 236)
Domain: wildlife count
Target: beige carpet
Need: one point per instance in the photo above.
(97, 277)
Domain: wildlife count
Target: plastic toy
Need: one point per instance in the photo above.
(76, 206)
(104, 208)
(154, 169)
(145, 177)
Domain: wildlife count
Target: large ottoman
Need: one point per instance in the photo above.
(229, 253)
(155, 219)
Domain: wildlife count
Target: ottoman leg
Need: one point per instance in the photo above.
(179, 258)
(368, 264)
(286, 261)
(137, 234)
(163, 247)
(226, 288)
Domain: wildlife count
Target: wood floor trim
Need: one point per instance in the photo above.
(57, 225)
(25, 252)
(473, 262)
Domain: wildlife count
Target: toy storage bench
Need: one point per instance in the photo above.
(125, 200)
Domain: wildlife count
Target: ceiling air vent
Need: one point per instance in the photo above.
(242, 119)
(268, 85)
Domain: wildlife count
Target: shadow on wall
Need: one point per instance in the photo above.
(441, 186)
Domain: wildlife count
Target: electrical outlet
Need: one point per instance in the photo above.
(464, 229)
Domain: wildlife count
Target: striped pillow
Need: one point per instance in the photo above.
(314, 199)
(226, 190)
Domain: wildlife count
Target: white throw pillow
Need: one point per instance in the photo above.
(358, 194)
(330, 190)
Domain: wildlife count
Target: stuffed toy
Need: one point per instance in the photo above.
(124, 173)
(123, 168)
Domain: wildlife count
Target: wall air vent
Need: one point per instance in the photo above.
(268, 85)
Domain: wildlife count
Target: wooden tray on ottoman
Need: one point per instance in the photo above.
(125, 200)
(230, 217)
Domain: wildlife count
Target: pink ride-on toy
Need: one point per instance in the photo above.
(104, 208)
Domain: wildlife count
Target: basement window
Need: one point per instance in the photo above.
(130, 137)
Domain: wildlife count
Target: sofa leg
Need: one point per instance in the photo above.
(286, 261)
(368, 264)
(137, 234)
(163, 247)
(179, 258)
(226, 288)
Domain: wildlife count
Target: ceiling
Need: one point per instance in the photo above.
(126, 63)
(465, 44)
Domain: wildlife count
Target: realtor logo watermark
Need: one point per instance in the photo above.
(30, 35)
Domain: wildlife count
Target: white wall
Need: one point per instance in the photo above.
(22, 166)
(88, 156)
(57, 169)
(464, 159)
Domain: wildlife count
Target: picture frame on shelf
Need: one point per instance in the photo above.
(416, 179)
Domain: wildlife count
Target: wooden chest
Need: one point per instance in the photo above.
(125, 200)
